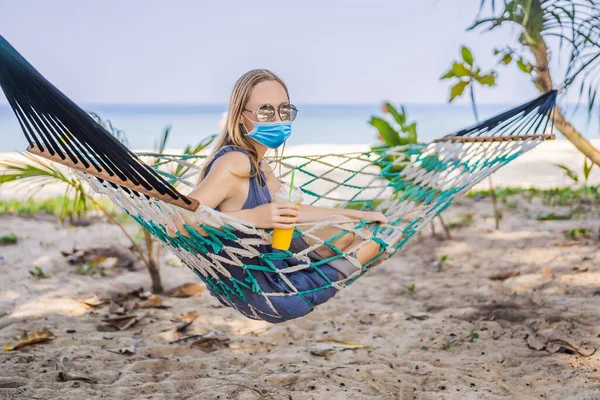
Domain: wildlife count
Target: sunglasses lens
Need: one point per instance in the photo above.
(288, 112)
(265, 113)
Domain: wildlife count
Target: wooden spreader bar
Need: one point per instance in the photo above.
(193, 206)
(482, 139)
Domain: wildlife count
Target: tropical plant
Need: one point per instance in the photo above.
(404, 134)
(11, 238)
(393, 132)
(397, 131)
(38, 272)
(576, 24)
(38, 173)
(585, 173)
(467, 76)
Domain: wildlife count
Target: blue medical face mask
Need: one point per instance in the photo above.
(271, 134)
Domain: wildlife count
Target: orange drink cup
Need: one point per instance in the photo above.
(282, 238)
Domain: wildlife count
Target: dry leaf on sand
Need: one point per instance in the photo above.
(11, 385)
(24, 339)
(115, 308)
(580, 270)
(326, 346)
(504, 276)
(186, 290)
(122, 296)
(126, 350)
(208, 342)
(418, 315)
(560, 345)
(553, 340)
(124, 302)
(64, 365)
(124, 321)
(126, 257)
(94, 301)
(535, 343)
(180, 329)
(571, 243)
(185, 320)
(211, 341)
(341, 344)
(152, 301)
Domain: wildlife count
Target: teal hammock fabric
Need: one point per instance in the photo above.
(409, 184)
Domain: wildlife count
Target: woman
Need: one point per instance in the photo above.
(239, 183)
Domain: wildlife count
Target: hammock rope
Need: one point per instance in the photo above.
(410, 185)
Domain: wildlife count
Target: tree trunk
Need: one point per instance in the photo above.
(543, 81)
(152, 264)
(494, 202)
(492, 191)
(448, 235)
(155, 277)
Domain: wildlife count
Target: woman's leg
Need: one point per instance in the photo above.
(329, 231)
(368, 252)
(345, 242)
(386, 254)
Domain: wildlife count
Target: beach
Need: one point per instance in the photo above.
(391, 119)
(487, 314)
(536, 168)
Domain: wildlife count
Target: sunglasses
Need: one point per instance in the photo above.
(266, 112)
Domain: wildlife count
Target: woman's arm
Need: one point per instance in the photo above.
(227, 174)
(313, 213)
(270, 215)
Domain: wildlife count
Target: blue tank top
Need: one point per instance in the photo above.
(257, 194)
(241, 293)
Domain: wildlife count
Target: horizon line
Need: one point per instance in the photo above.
(224, 105)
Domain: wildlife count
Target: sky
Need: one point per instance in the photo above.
(192, 51)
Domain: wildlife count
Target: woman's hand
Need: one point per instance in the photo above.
(374, 217)
(275, 215)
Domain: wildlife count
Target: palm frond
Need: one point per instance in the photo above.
(35, 174)
(575, 23)
(107, 124)
(162, 141)
(33, 167)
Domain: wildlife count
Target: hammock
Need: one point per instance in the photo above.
(409, 184)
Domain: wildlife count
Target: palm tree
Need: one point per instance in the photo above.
(576, 23)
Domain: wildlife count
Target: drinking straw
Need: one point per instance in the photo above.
(292, 182)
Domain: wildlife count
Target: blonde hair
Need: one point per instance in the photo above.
(233, 133)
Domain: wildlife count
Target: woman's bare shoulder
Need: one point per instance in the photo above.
(224, 180)
(234, 162)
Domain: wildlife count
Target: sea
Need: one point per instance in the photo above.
(316, 124)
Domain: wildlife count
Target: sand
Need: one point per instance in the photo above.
(455, 334)
(557, 288)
